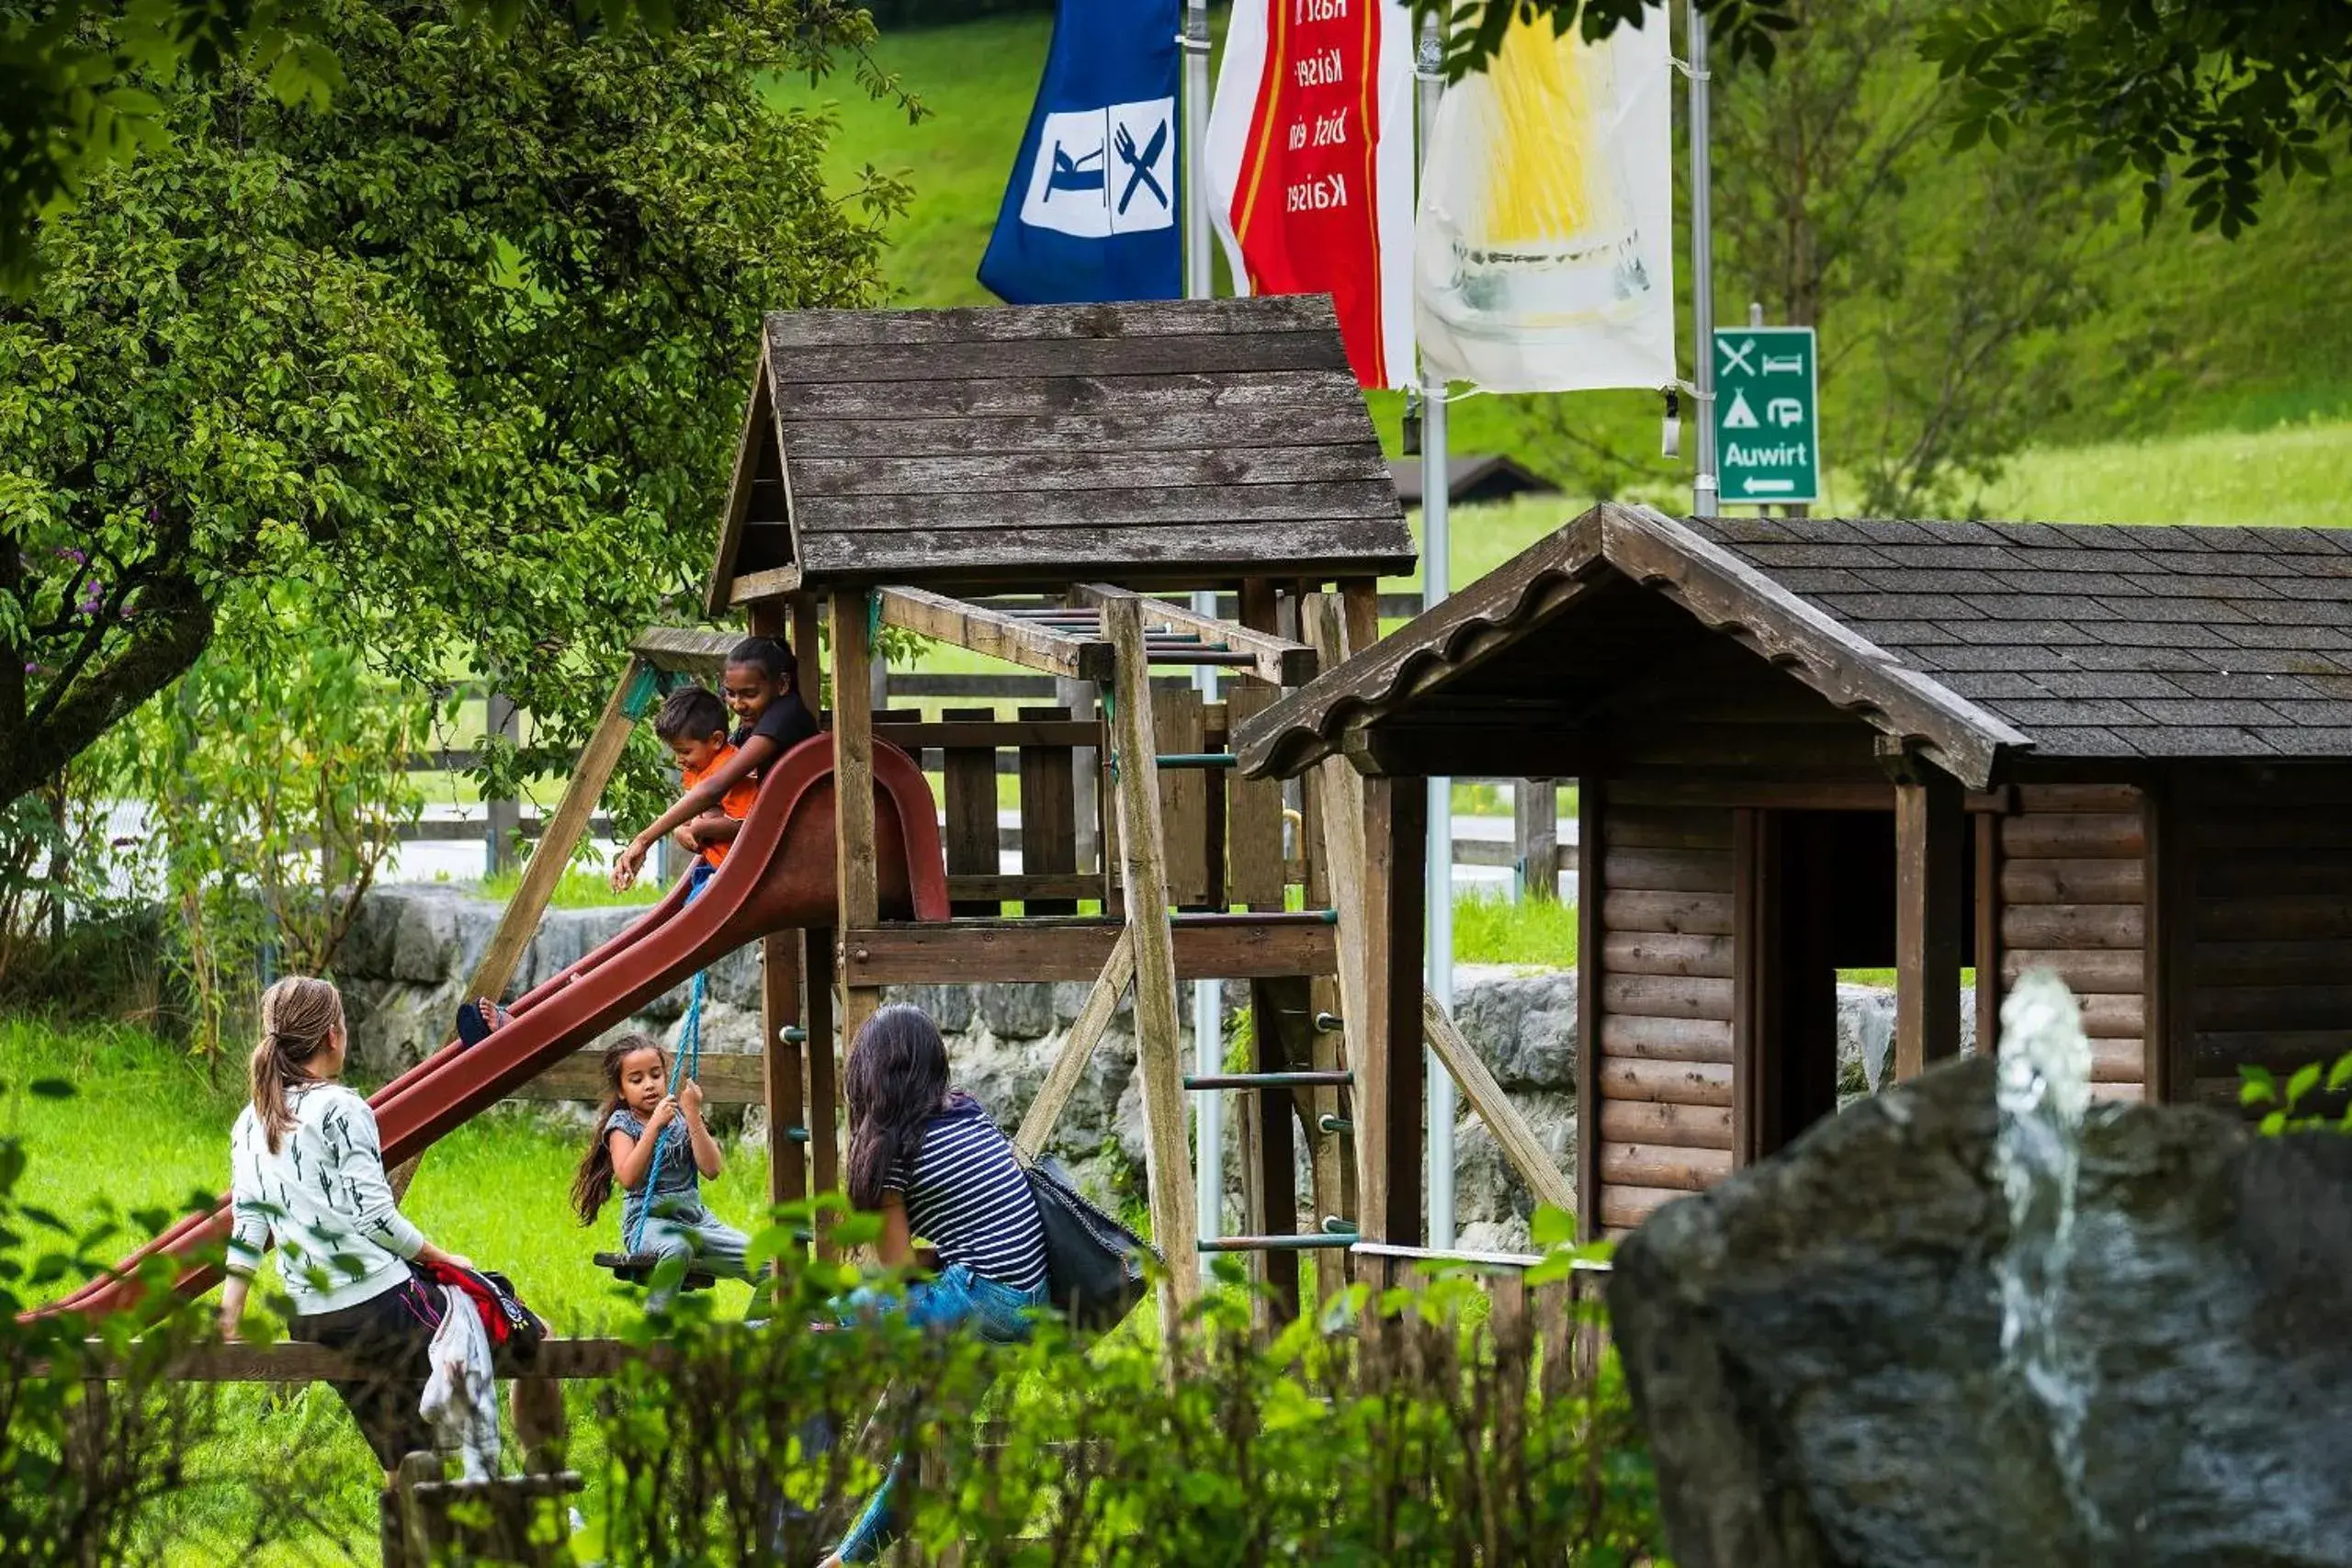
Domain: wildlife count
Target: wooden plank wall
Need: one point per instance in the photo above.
(1663, 1077)
(2073, 891)
(2269, 948)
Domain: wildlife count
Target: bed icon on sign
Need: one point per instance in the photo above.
(1103, 172)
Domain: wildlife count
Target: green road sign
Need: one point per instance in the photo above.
(1768, 403)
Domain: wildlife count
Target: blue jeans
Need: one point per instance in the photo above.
(959, 1296)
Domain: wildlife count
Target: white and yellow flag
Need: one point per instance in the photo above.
(1544, 254)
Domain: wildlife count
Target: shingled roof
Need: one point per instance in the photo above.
(2097, 640)
(1970, 640)
(1162, 443)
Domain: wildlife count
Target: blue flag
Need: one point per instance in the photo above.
(1090, 211)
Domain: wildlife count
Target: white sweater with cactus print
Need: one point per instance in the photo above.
(323, 1198)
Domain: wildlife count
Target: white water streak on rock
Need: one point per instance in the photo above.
(2043, 1088)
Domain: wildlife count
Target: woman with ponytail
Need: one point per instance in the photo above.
(927, 1158)
(307, 1172)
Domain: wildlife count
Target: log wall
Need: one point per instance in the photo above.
(2073, 876)
(1660, 1109)
(2267, 887)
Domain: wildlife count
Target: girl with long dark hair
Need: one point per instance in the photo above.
(637, 1117)
(926, 1157)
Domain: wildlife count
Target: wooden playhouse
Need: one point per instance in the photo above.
(1015, 482)
(1802, 746)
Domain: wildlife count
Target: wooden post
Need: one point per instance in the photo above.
(549, 858)
(968, 781)
(1396, 827)
(1590, 890)
(1988, 916)
(1278, 1024)
(416, 1530)
(1535, 810)
(1167, 1167)
(1339, 810)
(781, 1065)
(1928, 824)
(822, 1105)
(853, 866)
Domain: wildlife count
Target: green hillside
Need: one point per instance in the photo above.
(2197, 335)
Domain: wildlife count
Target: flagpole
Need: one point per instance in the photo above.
(1437, 540)
(1208, 1043)
(1704, 484)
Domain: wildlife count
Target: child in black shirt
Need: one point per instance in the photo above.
(761, 685)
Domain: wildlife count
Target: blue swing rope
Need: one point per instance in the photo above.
(689, 1064)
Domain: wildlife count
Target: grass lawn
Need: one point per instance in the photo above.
(149, 1127)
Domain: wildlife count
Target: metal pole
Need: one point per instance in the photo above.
(1436, 584)
(1208, 1034)
(1195, 40)
(1704, 487)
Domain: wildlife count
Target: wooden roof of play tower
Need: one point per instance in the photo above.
(1165, 445)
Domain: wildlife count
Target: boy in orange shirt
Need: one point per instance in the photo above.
(692, 724)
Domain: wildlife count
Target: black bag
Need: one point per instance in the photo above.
(1095, 1265)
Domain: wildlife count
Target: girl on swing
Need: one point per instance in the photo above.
(637, 1119)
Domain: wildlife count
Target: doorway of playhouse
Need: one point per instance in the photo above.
(1813, 898)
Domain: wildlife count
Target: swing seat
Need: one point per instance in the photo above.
(637, 1268)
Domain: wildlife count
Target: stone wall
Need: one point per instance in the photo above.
(404, 965)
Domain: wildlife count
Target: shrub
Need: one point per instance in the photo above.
(96, 1435)
(1443, 1436)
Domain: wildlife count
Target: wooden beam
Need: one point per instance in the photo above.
(1276, 660)
(684, 653)
(1928, 827)
(1396, 829)
(520, 920)
(1987, 917)
(1337, 795)
(1518, 1140)
(1422, 751)
(1167, 1167)
(727, 1079)
(1078, 1047)
(553, 854)
(774, 583)
(782, 1083)
(995, 633)
(1590, 947)
(967, 952)
(823, 1053)
(782, 1067)
(294, 1361)
(853, 854)
(758, 428)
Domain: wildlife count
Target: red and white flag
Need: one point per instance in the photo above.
(1310, 166)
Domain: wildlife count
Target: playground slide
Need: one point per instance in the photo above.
(778, 876)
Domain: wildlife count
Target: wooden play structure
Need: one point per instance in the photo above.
(2122, 754)
(1014, 482)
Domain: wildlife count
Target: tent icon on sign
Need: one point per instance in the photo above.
(1739, 416)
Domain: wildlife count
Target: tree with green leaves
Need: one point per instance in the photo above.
(460, 354)
(1937, 279)
(2213, 96)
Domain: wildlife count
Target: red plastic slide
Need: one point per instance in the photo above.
(779, 877)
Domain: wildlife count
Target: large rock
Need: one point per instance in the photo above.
(1523, 1022)
(1816, 1346)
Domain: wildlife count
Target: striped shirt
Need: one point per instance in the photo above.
(967, 1195)
(323, 1198)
